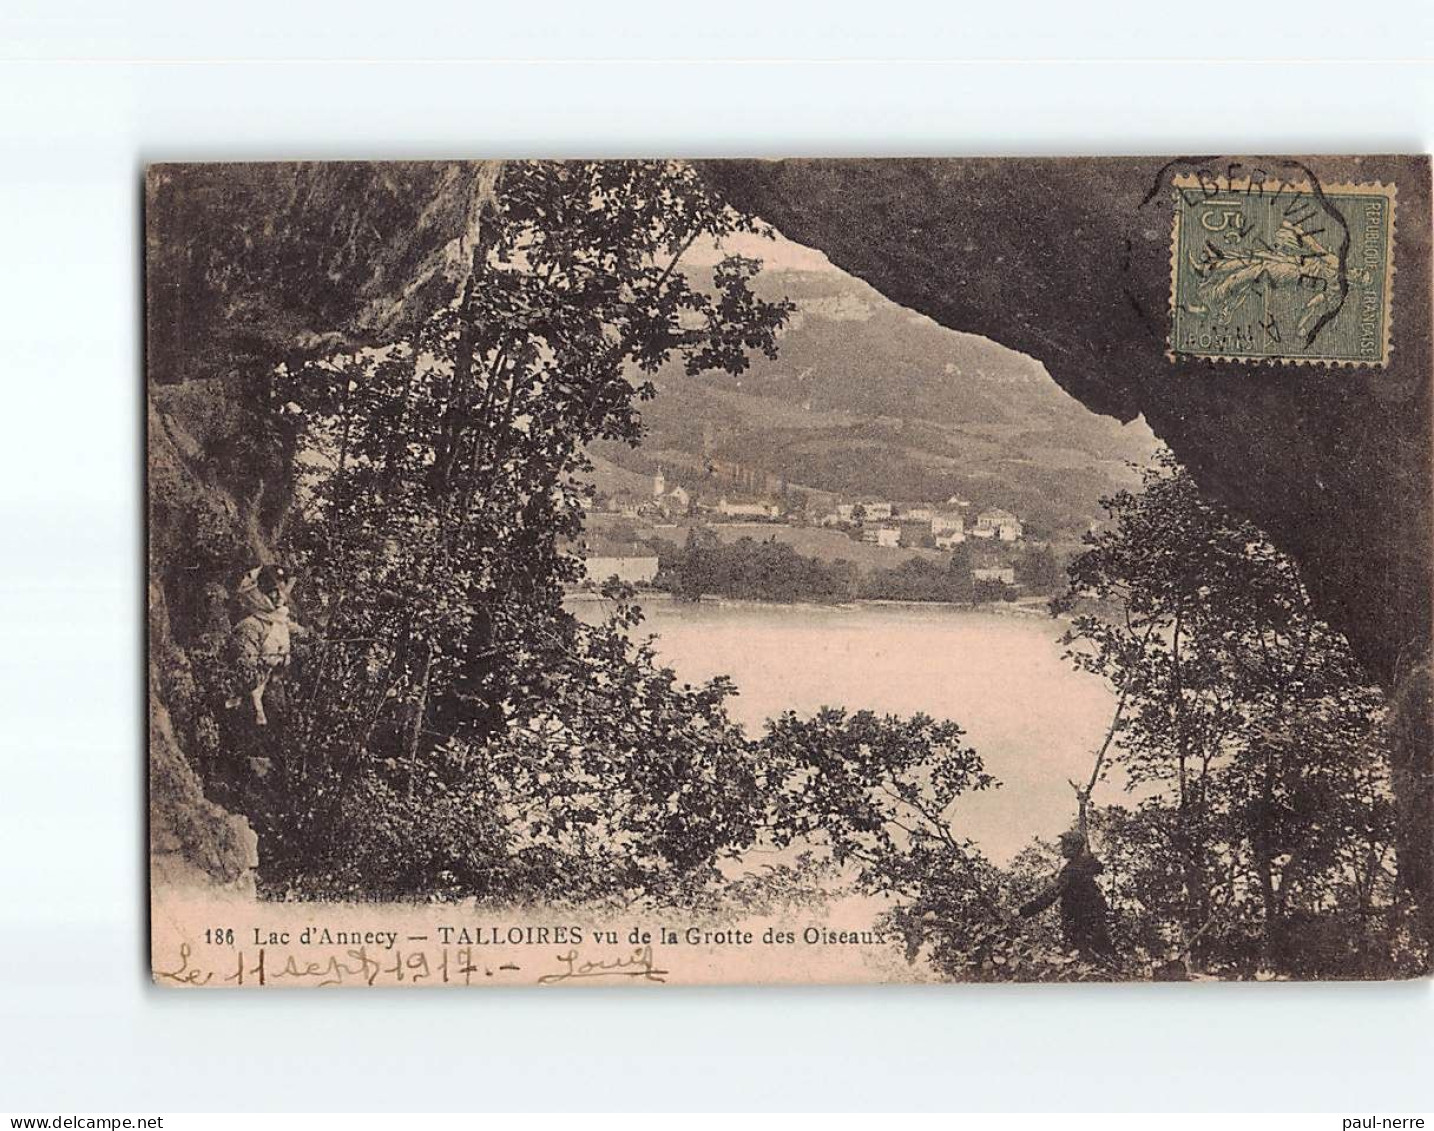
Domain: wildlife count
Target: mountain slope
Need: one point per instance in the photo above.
(867, 398)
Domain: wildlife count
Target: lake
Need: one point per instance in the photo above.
(1035, 721)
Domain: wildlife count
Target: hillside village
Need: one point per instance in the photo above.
(878, 456)
(634, 534)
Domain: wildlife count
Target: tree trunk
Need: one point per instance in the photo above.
(420, 708)
(1262, 842)
(1411, 728)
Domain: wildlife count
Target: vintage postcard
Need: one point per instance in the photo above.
(661, 572)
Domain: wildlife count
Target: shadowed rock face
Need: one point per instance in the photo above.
(250, 264)
(247, 266)
(1067, 262)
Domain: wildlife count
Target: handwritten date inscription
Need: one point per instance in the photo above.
(265, 966)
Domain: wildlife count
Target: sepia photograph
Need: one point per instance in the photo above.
(789, 559)
(648, 571)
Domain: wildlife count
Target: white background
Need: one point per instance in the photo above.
(91, 91)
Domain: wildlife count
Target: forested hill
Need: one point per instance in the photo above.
(866, 397)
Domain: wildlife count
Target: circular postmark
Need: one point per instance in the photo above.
(1267, 263)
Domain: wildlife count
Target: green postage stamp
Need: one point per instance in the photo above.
(1281, 271)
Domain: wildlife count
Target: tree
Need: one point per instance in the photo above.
(440, 484)
(1243, 720)
(961, 584)
(877, 798)
(693, 573)
(1038, 570)
(877, 793)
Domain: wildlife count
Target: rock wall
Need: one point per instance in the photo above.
(199, 535)
(247, 266)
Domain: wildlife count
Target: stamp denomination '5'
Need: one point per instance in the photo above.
(1281, 271)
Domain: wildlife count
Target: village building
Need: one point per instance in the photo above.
(916, 512)
(952, 527)
(1004, 574)
(677, 501)
(879, 534)
(864, 511)
(998, 524)
(627, 561)
(747, 508)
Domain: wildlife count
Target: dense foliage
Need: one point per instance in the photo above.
(455, 730)
(1261, 835)
(768, 570)
(1258, 837)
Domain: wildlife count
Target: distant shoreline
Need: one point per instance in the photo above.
(1028, 610)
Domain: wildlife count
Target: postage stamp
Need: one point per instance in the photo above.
(1281, 271)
